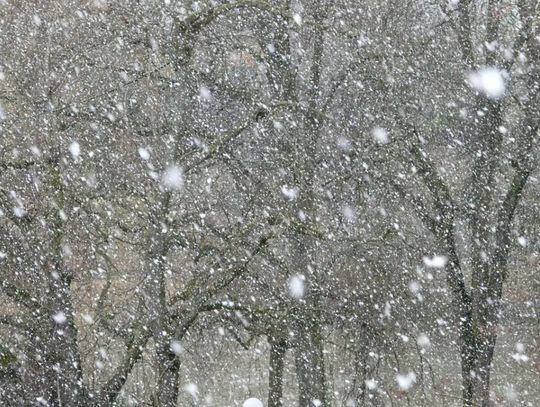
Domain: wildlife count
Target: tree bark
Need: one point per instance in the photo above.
(62, 360)
(310, 368)
(478, 344)
(168, 367)
(278, 350)
(167, 363)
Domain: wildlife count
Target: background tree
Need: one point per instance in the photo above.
(268, 191)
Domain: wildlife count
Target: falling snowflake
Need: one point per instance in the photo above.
(489, 81)
(371, 384)
(296, 285)
(87, 318)
(36, 20)
(177, 347)
(19, 211)
(380, 135)
(192, 389)
(423, 341)
(414, 287)
(253, 402)
(290, 193)
(405, 382)
(204, 93)
(349, 213)
(144, 153)
(436, 261)
(75, 149)
(60, 317)
(173, 178)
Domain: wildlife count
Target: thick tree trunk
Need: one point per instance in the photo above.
(167, 362)
(310, 366)
(478, 345)
(278, 349)
(62, 362)
(167, 370)
(476, 371)
(310, 369)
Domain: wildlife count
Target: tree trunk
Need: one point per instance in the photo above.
(63, 366)
(167, 362)
(278, 349)
(478, 344)
(476, 370)
(167, 370)
(310, 368)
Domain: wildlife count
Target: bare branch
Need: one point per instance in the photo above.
(17, 294)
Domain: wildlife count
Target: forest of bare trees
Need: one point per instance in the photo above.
(253, 203)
